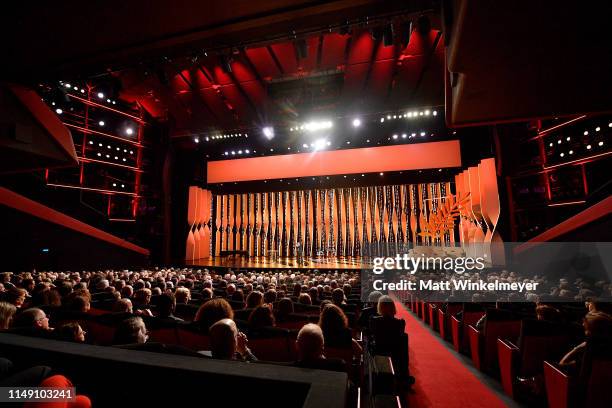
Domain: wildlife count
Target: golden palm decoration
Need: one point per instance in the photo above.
(444, 219)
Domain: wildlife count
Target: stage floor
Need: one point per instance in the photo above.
(282, 263)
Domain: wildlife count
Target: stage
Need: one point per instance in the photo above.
(344, 263)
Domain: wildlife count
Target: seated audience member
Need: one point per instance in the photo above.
(370, 311)
(284, 309)
(166, 304)
(16, 297)
(254, 299)
(548, 313)
(122, 306)
(304, 299)
(227, 343)
(79, 304)
(127, 292)
(131, 331)
(183, 295)
(297, 290)
(7, 312)
(238, 296)
(213, 311)
(334, 324)
(386, 327)
(599, 306)
(206, 294)
(597, 329)
(70, 332)
(261, 316)
(269, 296)
(142, 298)
(314, 295)
(310, 344)
(338, 298)
(324, 303)
(32, 321)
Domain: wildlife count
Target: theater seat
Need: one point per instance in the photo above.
(190, 337)
(538, 341)
(557, 386)
(483, 344)
(271, 344)
(470, 314)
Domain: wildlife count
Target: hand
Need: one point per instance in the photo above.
(242, 343)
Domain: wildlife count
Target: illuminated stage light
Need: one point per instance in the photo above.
(356, 122)
(382, 120)
(124, 159)
(562, 154)
(559, 141)
(99, 154)
(348, 142)
(114, 184)
(568, 138)
(68, 86)
(404, 135)
(108, 100)
(207, 138)
(597, 129)
(90, 142)
(413, 135)
(588, 147)
(82, 90)
(388, 117)
(101, 123)
(129, 131)
(226, 153)
(114, 103)
(600, 143)
(550, 144)
(427, 112)
(435, 113)
(305, 145)
(586, 132)
(100, 95)
(59, 111)
(108, 147)
(100, 144)
(247, 151)
(76, 88)
(233, 153)
(131, 152)
(368, 141)
(116, 158)
(382, 174)
(394, 136)
(422, 133)
(123, 186)
(320, 144)
(118, 149)
(571, 152)
(196, 139)
(268, 132)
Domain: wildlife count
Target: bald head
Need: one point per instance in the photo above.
(223, 339)
(310, 342)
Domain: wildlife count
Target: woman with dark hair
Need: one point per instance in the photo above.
(238, 296)
(336, 331)
(213, 311)
(284, 309)
(16, 297)
(261, 316)
(70, 332)
(297, 289)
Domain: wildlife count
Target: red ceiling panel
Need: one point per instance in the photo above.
(263, 62)
(242, 72)
(285, 53)
(384, 53)
(220, 77)
(199, 80)
(178, 84)
(407, 77)
(378, 84)
(354, 78)
(256, 92)
(333, 50)
(420, 44)
(361, 47)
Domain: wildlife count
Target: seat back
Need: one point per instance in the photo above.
(500, 324)
(191, 338)
(469, 318)
(539, 341)
(598, 384)
(271, 344)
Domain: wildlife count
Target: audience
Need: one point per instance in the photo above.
(597, 329)
(213, 311)
(334, 324)
(132, 330)
(261, 316)
(166, 304)
(7, 312)
(71, 331)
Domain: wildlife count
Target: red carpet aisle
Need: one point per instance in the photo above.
(441, 379)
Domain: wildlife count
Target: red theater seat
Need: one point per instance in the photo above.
(483, 344)
(538, 341)
(193, 340)
(470, 314)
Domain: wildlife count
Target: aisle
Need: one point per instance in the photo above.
(442, 380)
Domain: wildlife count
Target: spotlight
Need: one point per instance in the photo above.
(348, 142)
(305, 145)
(356, 122)
(247, 151)
(597, 129)
(422, 133)
(68, 86)
(388, 117)
(114, 184)
(123, 186)
(382, 120)
(100, 95)
(108, 100)
(268, 132)
(382, 174)
(394, 136)
(99, 154)
(82, 90)
(233, 153)
(196, 139)
(586, 132)
(59, 111)
(100, 144)
(301, 47)
(600, 143)
(568, 139)
(571, 152)
(124, 159)
(76, 88)
(404, 135)
(562, 154)
(550, 144)
(239, 151)
(320, 144)
(559, 141)
(435, 113)
(588, 147)
(114, 103)
(413, 135)
(226, 153)
(129, 131)
(427, 112)
(207, 139)
(90, 142)
(101, 123)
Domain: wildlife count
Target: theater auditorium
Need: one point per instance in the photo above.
(343, 204)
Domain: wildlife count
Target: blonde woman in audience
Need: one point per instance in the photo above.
(7, 311)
